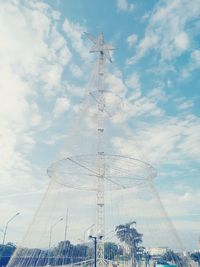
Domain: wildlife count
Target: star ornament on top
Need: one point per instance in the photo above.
(100, 46)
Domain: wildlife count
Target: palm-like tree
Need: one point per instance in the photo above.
(129, 235)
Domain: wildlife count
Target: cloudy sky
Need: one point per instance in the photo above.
(154, 96)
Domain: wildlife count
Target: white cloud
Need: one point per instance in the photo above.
(135, 108)
(131, 40)
(33, 55)
(123, 5)
(158, 94)
(185, 202)
(115, 83)
(51, 76)
(134, 104)
(194, 63)
(181, 41)
(183, 104)
(75, 33)
(133, 81)
(172, 140)
(195, 56)
(75, 70)
(62, 104)
(167, 32)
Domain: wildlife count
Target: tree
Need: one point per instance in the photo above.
(171, 256)
(195, 257)
(130, 236)
(6, 252)
(112, 250)
(65, 253)
(146, 257)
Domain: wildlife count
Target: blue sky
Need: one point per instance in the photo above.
(45, 66)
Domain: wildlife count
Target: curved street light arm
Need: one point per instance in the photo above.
(6, 227)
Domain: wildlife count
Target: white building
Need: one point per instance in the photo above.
(157, 251)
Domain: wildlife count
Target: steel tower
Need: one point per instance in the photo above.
(102, 48)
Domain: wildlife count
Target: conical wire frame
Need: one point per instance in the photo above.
(121, 172)
(130, 198)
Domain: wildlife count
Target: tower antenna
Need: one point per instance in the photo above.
(102, 48)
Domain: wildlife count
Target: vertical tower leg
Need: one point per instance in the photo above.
(100, 164)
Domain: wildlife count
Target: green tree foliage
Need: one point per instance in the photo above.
(172, 257)
(130, 236)
(30, 257)
(112, 251)
(6, 252)
(66, 253)
(63, 253)
(196, 257)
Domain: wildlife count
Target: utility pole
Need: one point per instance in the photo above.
(50, 239)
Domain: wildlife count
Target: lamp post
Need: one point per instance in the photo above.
(51, 229)
(50, 236)
(6, 227)
(95, 238)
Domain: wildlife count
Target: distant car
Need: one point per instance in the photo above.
(162, 263)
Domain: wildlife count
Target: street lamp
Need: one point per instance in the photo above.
(50, 236)
(95, 238)
(6, 227)
(51, 229)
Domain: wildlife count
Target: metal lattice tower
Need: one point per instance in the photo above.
(100, 47)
